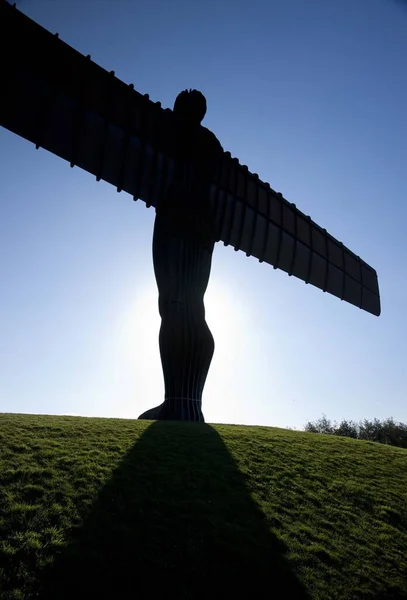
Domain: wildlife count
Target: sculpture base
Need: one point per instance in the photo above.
(179, 409)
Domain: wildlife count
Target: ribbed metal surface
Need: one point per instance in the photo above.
(182, 269)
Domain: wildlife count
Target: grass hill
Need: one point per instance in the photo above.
(110, 508)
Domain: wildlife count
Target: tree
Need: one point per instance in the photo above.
(383, 432)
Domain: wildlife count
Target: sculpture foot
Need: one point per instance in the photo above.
(184, 410)
(153, 413)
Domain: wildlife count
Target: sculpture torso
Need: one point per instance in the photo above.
(184, 209)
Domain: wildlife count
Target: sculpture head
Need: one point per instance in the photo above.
(190, 105)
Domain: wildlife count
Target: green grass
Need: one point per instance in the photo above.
(108, 508)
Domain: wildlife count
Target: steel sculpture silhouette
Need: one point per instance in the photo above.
(183, 242)
(63, 102)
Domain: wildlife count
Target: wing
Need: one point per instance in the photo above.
(87, 116)
(254, 218)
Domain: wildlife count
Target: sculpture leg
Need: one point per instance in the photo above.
(182, 268)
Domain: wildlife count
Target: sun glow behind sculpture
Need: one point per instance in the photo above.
(137, 332)
(229, 319)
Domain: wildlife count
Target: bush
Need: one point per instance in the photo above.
(384, 432)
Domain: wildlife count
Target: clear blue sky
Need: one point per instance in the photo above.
(311, 95)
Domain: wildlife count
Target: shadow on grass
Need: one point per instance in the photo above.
(175, 517)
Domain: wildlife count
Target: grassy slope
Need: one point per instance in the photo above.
(107, 508)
